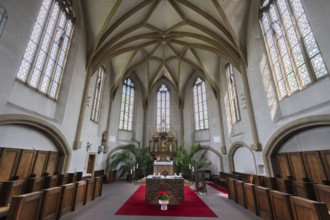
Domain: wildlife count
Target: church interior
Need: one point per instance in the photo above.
(221, 102)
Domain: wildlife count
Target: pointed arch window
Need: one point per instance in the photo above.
(127, 104)
(44, 58)
(96, 108)
(291, 45)
(232, 94)
(200, 105)
(163, 109)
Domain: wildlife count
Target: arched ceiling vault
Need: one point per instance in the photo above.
(165, 38)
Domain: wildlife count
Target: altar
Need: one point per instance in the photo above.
(161, 166)
(174, 185)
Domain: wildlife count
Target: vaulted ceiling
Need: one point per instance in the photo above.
(165, 38)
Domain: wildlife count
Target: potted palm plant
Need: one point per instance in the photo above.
(129, 156)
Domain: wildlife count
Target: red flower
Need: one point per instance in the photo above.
(163, 195)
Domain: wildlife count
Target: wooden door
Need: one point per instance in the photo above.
(313, 165)
(283, 165)
(25, 164)
(8, 163)
(296, 166)
(91, 162)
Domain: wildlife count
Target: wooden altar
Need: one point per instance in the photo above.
(174, 185)
(162, 146)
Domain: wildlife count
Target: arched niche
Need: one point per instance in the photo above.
(294, 132)
(44, 128)
(241, 158)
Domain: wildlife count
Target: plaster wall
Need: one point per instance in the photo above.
(272, 113)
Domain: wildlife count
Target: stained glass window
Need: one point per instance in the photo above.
(127, 104)
(232, 94)
(292, 49)
(96, 108)
(200, 105)
(45, 55)
(163, 109)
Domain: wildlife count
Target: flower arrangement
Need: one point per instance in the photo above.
(163, 195)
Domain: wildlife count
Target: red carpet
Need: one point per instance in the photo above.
(192, 207)
(215, 186)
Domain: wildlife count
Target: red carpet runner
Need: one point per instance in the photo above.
(219, 188)
(192, 207)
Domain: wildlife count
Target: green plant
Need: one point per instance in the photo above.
(182, 158)
(132, 155)
(163, 195)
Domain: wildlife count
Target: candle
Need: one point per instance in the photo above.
(131, 171)
(133, 168)
(189, 166)
(137, 166)
(192, 169)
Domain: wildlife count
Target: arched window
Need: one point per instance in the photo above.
(292, 48)
(127, 104)
(200, 105)
(163, 109)
(232, 94)
(99, 84)
(44, 59)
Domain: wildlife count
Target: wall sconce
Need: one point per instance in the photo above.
(99, 149)
(89, 146)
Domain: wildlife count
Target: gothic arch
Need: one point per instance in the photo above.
(233, 149)
(216, 153)
(46, 128)
(284, 133)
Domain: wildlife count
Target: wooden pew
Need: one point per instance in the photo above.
(50, 181)
(72, 177)
(303, 189)
(245, 177)
(231, 189)
(223, 178)
(67, 199)
(10, 189)
(98, 186)
(270, 182)
(34, 184)
(80, 194)
(308, 209)
(281, 207)
(322, 194)
(263, 203)
(240, 196)
(90, 190)
(258, 180)
(250, 197)
(50, 203)
(25, 207)
(63, 179)
(284, 185)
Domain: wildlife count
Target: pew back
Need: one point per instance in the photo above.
(307, 209)
(280, 202)
(50, 203)
(25, 207)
